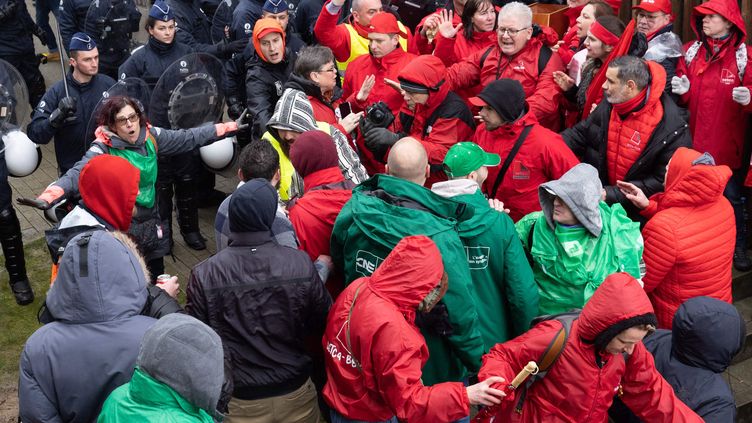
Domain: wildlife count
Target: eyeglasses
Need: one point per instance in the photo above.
(332, 70)
(132, 118)
(510, 31)
(649, 18)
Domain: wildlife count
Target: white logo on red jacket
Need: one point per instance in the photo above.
(727, 77)
(635, 141)
(520, 66)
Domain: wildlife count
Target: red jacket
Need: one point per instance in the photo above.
(571, 44)
(420, 44)
(576, 388)
(543, 157)
(542, 93)
(337, 37)
(452, 50)
(313, 215)
(718, 123)
(689, 241)
(376, 375)
(358, 70)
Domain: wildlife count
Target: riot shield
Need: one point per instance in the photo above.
(14, 97)
(189, 93)
(132, 87)
(111, 23)
(222, 19)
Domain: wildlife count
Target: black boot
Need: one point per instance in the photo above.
(10, 238)
(742, 261)
(188, 215)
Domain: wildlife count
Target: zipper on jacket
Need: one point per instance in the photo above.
(595, 397)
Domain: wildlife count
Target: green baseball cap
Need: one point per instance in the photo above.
(466, 157)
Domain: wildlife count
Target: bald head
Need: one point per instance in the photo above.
(408, 160)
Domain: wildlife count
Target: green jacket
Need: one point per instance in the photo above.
(506, 294)
(569, 264)
(146, 399)
(381, 212)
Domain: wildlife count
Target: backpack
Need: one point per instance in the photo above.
(741, 57)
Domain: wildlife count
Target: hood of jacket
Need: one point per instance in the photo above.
(657, 82)
(729, 9)
(109, 138)
(109, 186)
(195, 368)
(297, 82)
(99, 279)
(707, 333)
(580, 189)
(692, 184)
(618, 303)
(415, 259)
(253, 207)
(430, 72)
(262, 28)
(293, 112)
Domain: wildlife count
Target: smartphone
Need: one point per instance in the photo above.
(344, 109)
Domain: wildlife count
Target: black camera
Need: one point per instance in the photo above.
(379, 115)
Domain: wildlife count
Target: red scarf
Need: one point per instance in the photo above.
(629, 105)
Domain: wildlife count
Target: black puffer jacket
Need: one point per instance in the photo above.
(263, 84)
(263, 300)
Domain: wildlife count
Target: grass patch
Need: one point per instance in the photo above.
(20, 322)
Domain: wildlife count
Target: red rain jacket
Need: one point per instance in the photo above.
(377, 373)
(576, 389)
(689, 240)
(717, 122)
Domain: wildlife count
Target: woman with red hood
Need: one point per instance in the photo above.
(689, 239)
(603, 356)
(326, 191)
(374, 353)
(715, 88)
(431, 113)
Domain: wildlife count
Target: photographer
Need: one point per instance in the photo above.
(365, 80)
(430, 113)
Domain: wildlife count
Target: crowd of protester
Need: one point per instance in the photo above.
(423, 209)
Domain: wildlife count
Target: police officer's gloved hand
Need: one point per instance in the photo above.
(234, 108)
(378, 140)
(231, 47)
(8, 9)
(51, 196)
(66, 110)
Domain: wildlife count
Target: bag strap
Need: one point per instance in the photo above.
(485, 56)
(508, 161)
(546, 360)
(543, 57)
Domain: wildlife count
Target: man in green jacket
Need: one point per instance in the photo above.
(506, 294)
(382, 211)
(178, 378)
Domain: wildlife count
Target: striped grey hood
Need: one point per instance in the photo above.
(293, 112)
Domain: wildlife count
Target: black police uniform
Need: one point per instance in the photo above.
(71, 138)
(17, 46)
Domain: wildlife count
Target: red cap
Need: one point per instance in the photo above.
(477, 101)
(386, 23)
(655, 6)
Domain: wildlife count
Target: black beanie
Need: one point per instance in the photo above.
(507, 97)
(603, 338)
(253, 207)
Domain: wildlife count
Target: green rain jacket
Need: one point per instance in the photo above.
(381, 212)
(569, 263)
(145, 399)
(506, 294)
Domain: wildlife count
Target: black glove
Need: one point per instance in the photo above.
(34, 202)
(234, 108)
(378, 140)
(8, 9)
(65, 112)
(435, 321)
(229, 48)
(639, 45)
(40, 33)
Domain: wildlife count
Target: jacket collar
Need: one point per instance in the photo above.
(243, 239)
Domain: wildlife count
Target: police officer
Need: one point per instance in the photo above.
(177, 174)
(10, 238)
(67, 118)
(17, 45)
(194, 29)
(116, 25)
(149, 61)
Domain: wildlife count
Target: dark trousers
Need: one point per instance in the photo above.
(44, 7)
(28, 66)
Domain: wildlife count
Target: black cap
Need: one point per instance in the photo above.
(506, 96)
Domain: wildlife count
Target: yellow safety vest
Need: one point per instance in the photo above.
(359, 45)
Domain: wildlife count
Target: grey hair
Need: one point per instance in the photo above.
(518, 10)
(632, 68)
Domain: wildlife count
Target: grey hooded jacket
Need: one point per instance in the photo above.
(70, 366)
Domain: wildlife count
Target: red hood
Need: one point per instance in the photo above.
(513, 130)
(428, 71)
(408, 273)
(573, 13)
(109, 186)
(324, 204)
(729, 9)
(657, 81)
(688, 185)
(620, 297)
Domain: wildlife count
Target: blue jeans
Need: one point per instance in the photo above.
(44, 7)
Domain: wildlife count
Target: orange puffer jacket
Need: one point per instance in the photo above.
(689, 241)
